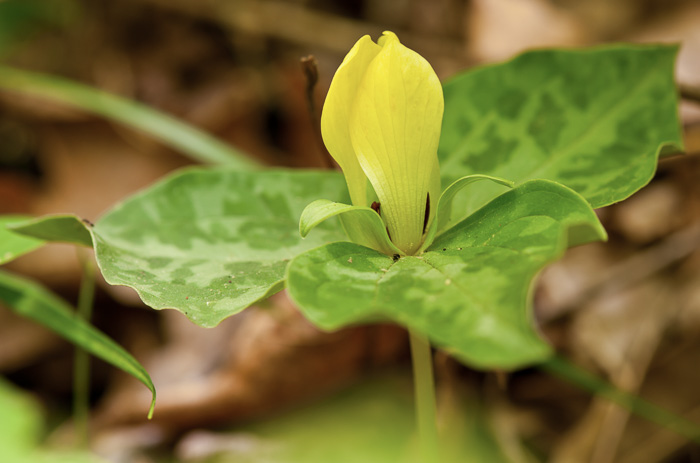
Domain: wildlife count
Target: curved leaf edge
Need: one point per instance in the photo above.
(589, 50)
(664, 149)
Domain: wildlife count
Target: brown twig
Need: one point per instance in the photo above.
(310, 67)
(689, 93)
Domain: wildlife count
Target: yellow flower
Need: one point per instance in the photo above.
(381, 122)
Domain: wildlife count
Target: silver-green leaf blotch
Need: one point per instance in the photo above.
(469, 292)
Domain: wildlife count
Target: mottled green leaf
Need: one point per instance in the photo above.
(32, 301)
(469, 292)
(362, 224)
(212, 242)
(13, 245)
(206, 242)
(61, 228)
(594, 120)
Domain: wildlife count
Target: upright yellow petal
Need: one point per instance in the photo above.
(395, 126)
(336, 116)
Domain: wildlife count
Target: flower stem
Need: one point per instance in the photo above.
(81, 361)
(424, 387)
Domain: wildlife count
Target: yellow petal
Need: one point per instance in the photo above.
(336, 115)
(395, 128)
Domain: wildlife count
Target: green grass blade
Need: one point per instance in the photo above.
(564, 369)
(184, 137)
(33, 301)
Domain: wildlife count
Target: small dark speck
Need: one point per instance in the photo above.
(459, 249)
(444, 249)
(87, 222)
(229, 281)
(396, 257)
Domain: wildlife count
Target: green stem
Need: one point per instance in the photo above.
(81, 365)
(424, 386)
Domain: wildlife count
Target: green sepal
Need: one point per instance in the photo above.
(362, 224)
(444, 208)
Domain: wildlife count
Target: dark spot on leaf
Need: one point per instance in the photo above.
(376, 207)
(511, 103)
(396, 257)
(495, 149)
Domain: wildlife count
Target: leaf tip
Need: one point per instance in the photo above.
(153, 406)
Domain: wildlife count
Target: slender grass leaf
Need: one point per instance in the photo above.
(32, 301)
(564, 369)
(469, 292)
(191, 141)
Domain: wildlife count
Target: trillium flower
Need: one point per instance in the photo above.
(381, 123)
